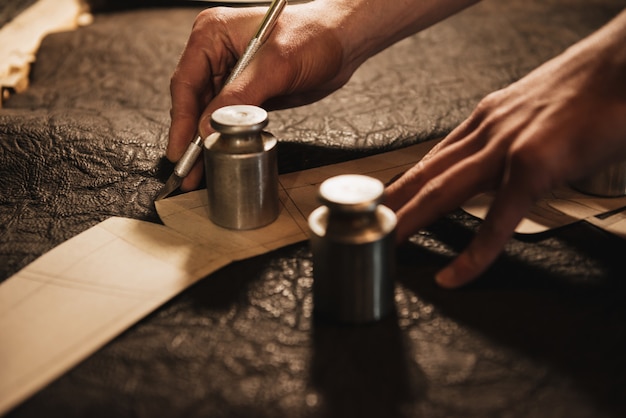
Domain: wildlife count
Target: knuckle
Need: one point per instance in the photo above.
(488, 113)
(433, 193)
(401, 188)
(522, 158)
(489, 104)
(433, 189)
(530, 167)
(211, 17)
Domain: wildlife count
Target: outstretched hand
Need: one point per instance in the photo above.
(560, 123)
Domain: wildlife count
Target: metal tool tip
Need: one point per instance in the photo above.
(172, 184)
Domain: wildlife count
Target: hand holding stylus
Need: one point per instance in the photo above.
(189, 158)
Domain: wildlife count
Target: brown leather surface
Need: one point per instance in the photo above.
(10, 9)
(541, 334)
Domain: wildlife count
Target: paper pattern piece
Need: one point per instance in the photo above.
(188, 214)
(74, 299)
(558, 208)
(615, 223)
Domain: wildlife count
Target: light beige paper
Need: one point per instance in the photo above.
(74, 299)
(188, 215)
(615, 224)
(558, 208)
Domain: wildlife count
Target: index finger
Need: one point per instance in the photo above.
(251, 87)
(509, 207)
(191, 88)
(444, 191)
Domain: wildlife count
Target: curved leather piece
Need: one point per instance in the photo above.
(541, 334)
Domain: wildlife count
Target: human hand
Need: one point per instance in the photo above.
(558, 124)
(302, 61)
(312, 51)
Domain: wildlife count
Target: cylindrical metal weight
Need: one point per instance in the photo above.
(352, 241)
(241, 169)
(608, 182)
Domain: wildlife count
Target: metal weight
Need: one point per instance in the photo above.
(608, 182)
(352, 241)
(241, 168)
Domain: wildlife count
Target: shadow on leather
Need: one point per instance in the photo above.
(568, 318)
(363, 370)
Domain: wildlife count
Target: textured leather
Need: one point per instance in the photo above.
(541, 334)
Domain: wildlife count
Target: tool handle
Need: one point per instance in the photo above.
(183, 167)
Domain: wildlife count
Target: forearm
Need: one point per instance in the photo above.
(366, 27)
